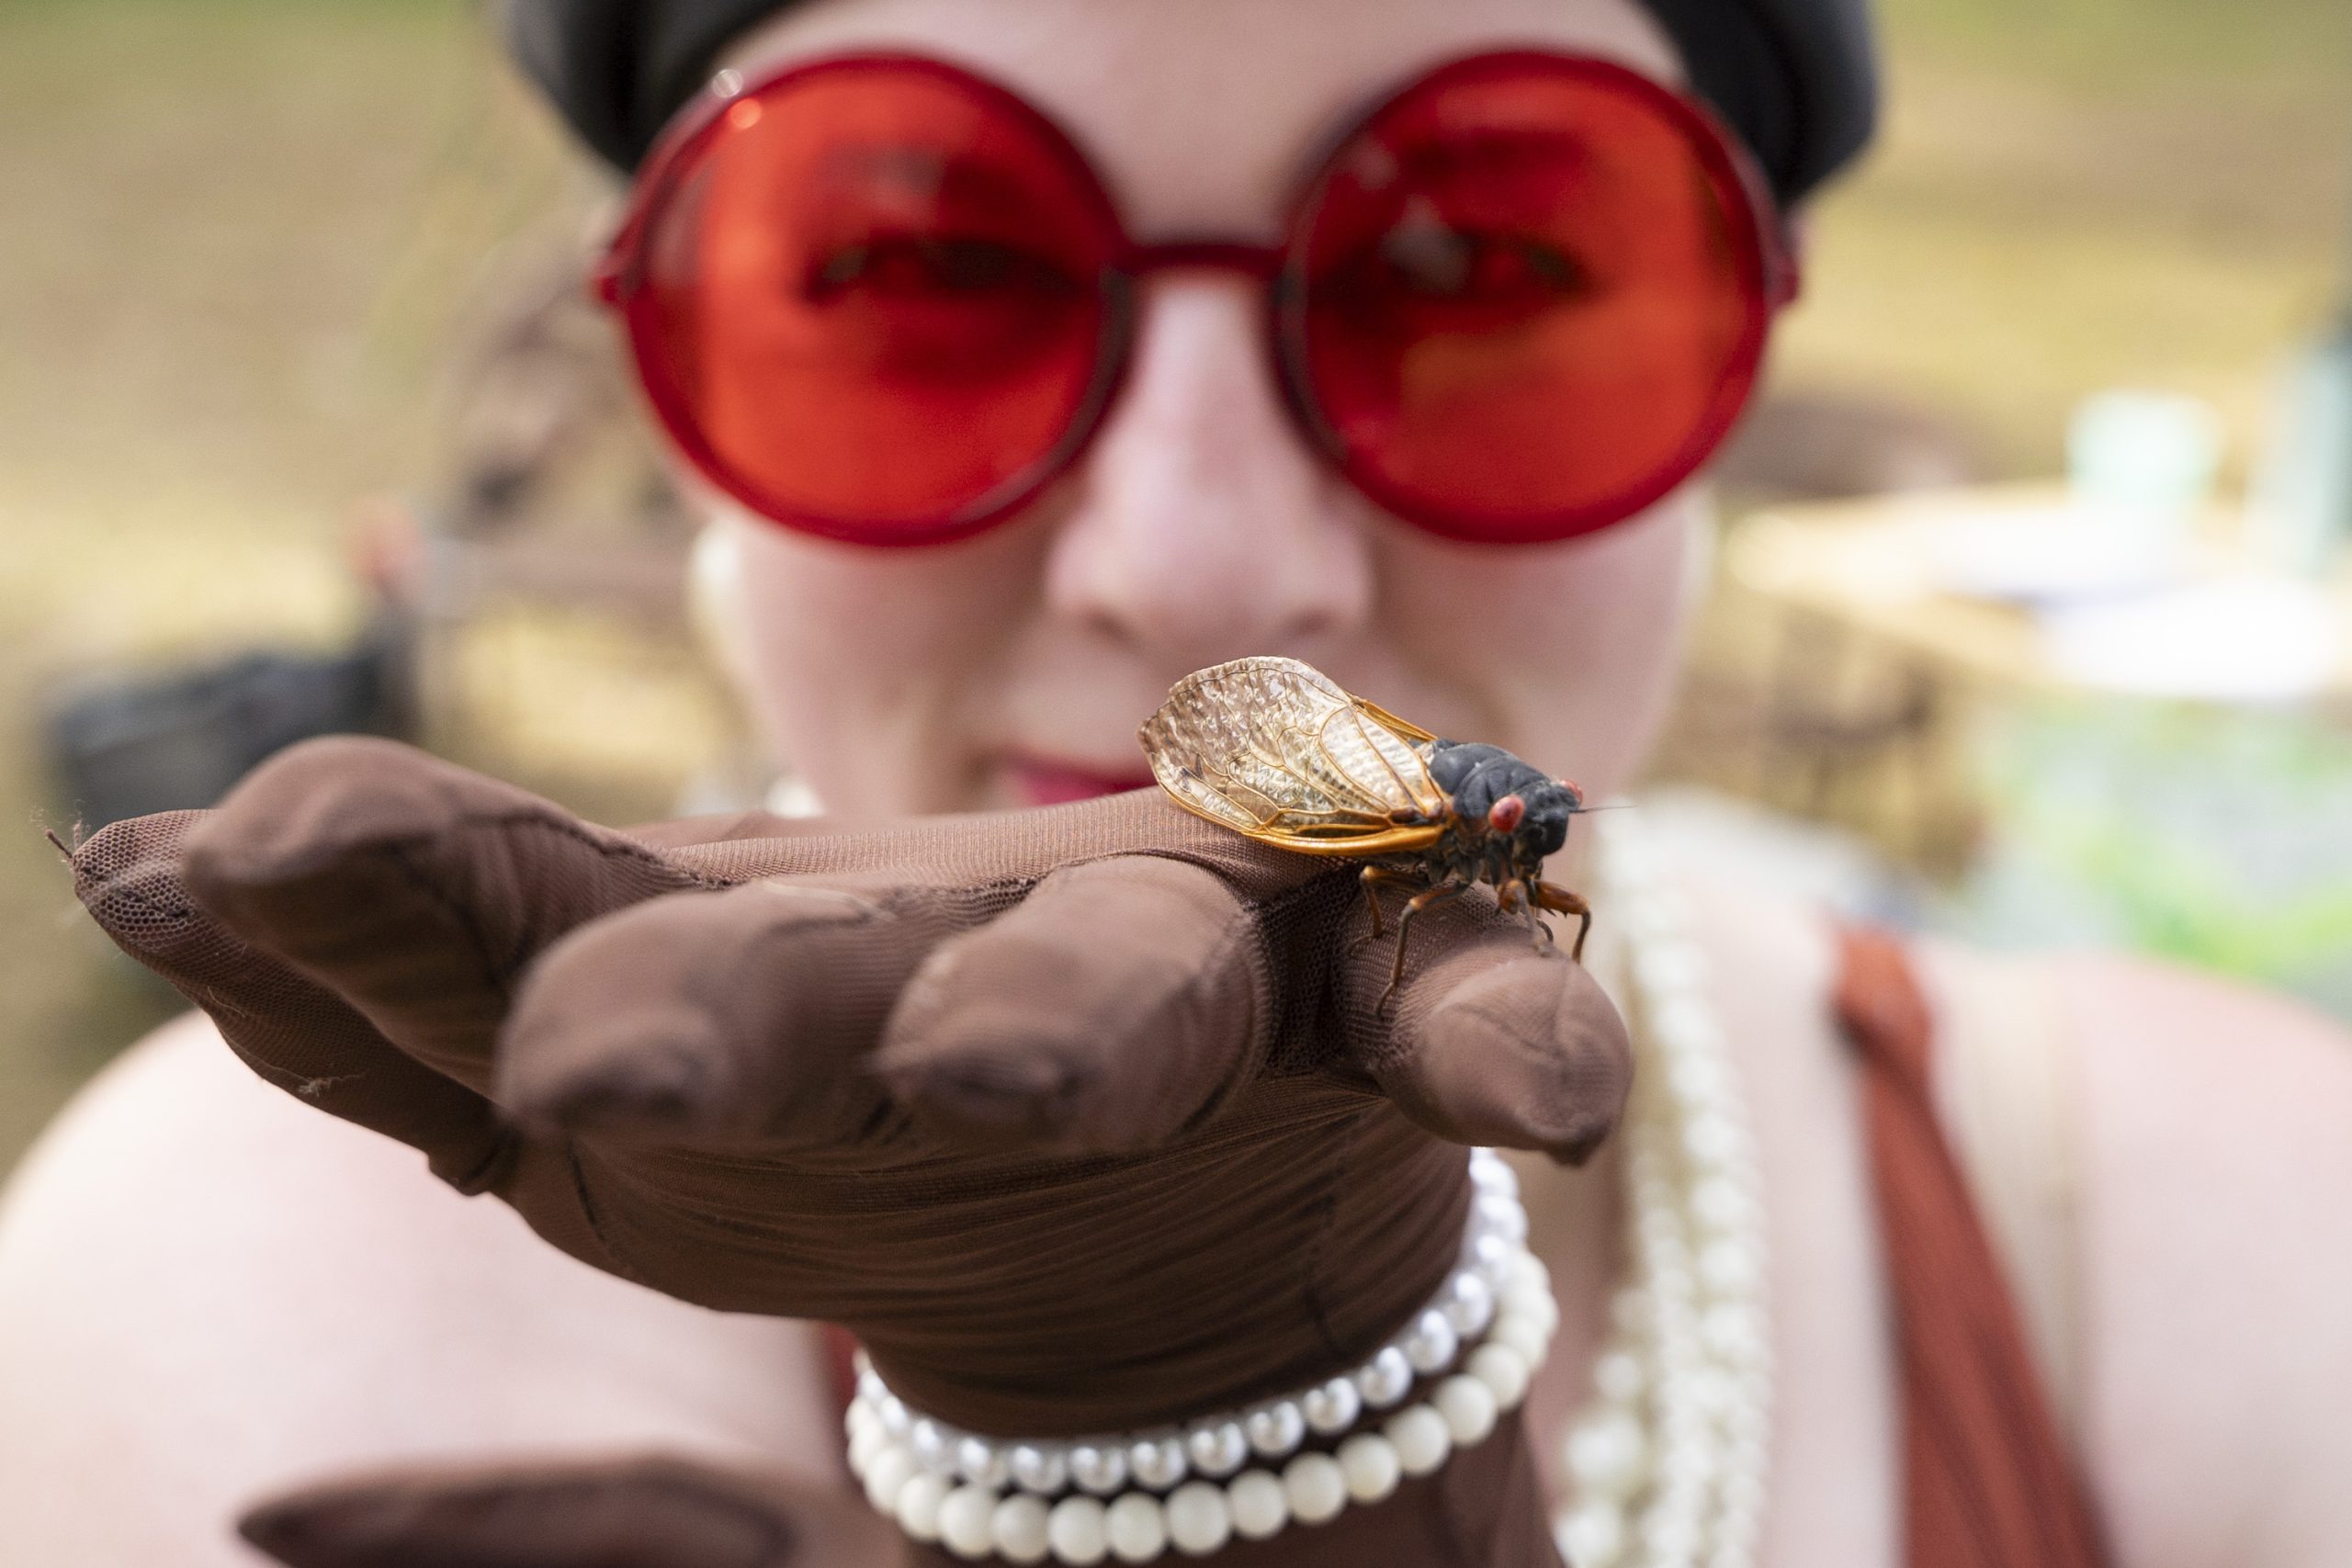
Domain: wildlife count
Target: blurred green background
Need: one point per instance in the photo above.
(238, 239)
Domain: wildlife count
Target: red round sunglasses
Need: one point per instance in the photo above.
(882, 299)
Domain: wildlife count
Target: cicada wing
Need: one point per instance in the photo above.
(1405, 728)
(1274, 749)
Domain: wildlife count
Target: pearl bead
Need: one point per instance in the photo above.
(1333, 1407)
(1535, 1305)
(1730, 1331)
(1593, 1536)
(1385, 1379)
(1670, 1535)
(1670, 965)
(865, 1446)
(858, 1417)
(1369, 1462)
(1077, 1531)
(1504, 1372)
(1687, 1028)
(1490, 1258)
(1217, 1448)
(1606, 1455)
(1522, 1334)
(1038, 1467)
(1099, 1469)
(1431, 1342)
(1275, 1430)
(895, 1417)
(1316, 1486)
(1469, 1303)
(1137, 1528)
(1689, 1462)
(981, 1462)
(1468, 1406)
(1199, 1522)
(1500, 1215)
(1719, 1204)
(1259, 1505)
(1700, 1082)
(966, 1522)
(1018, 1529)
(918, 1509)
(1528, 1273)
(888, 1469)
(929, 1443)
(1156, 1463)
(1711, 1140)
(870, 1387)
(1619, 1378)
(1420, 1438)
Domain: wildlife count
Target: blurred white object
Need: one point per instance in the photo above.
(2053, 553)
(2300, 512)
(2145, 462)
(2254, 640)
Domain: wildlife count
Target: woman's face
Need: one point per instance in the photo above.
(1013, 669)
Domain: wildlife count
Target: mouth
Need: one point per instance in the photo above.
(1046, 780)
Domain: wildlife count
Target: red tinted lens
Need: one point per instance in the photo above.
(1526, 299)
(867, 299)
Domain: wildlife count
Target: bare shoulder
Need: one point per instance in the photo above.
(210, 1292)
(2216, 1165)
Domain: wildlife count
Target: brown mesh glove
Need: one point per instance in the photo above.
(1082, 1119)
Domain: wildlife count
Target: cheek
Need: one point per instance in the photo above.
(1571, 648)
(868, 670)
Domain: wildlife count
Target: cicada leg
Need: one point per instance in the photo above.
(1451, 888)
(1516, 894)
(1377, 878)
(1560, 901)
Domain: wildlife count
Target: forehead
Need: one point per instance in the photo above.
(1199, 113)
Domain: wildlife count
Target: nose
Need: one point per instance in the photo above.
(1203, 528)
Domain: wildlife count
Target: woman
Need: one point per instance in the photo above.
(1096, 1119)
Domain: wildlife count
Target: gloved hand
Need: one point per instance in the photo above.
(1083, 1119)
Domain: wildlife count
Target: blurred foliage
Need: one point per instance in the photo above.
(2218, 839)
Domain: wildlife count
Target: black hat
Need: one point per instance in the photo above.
(1797, 79)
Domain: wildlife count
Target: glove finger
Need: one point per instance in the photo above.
(1492, 1041)
(416, 890)
(287, 1027)
(1122, 1002)
(718, 1020)
(656, 1513)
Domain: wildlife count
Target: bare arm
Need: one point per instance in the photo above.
(2217, 1251)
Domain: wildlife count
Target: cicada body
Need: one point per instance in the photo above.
(1275, 751)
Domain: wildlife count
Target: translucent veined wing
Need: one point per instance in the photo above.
(1271, 748)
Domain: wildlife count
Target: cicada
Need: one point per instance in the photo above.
(1275, 751)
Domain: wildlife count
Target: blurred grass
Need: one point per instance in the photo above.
(237, 236)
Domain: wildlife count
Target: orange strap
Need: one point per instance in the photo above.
(1988, 1482)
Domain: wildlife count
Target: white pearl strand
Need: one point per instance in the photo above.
(1667, 1459)
(1028, 1500)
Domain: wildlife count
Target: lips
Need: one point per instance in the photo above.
(1048, 782)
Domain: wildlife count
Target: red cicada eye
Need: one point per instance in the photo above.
(1506, 814)
(871, 298)
(1527, 298)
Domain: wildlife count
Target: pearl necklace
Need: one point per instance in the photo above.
(1478, 1343)
(1666, 1459)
